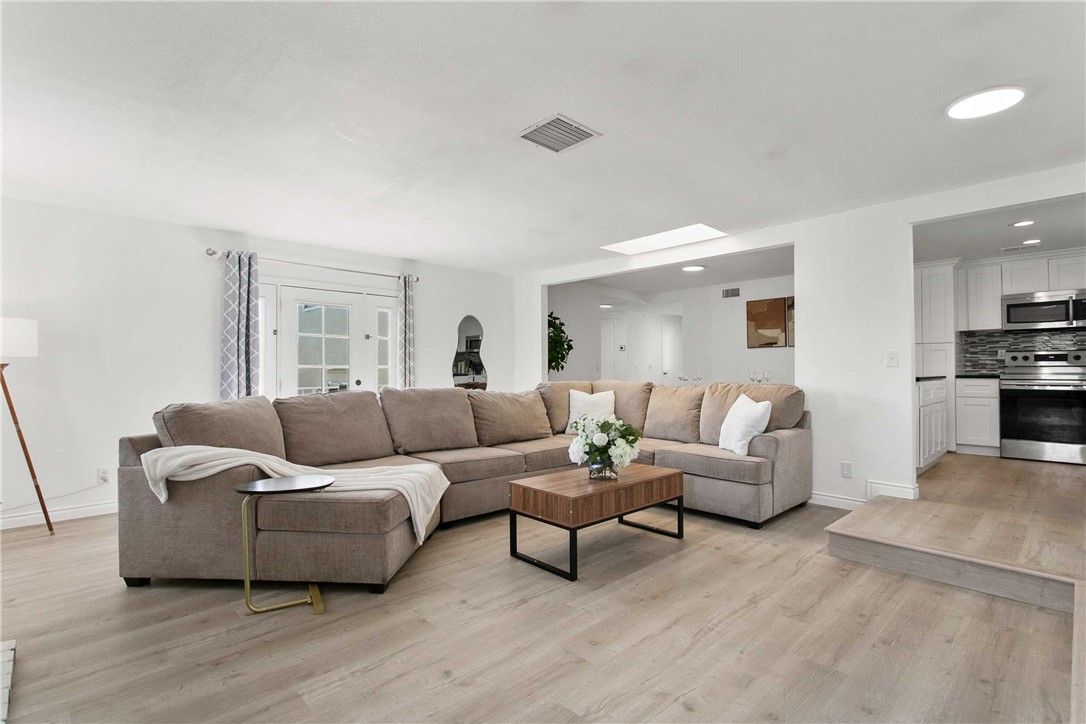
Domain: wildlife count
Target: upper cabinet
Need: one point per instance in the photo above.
(936, 304)
(983, 294)
(1067, 272)
(1023, 276)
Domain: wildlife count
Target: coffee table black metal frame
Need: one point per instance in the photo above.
(571, 574)
(276, 486)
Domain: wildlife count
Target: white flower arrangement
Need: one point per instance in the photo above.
(603, 439)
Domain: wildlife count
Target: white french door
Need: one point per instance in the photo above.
(330, 341)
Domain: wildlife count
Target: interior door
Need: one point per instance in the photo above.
(671, 344)
(607, 349)
(322, 341)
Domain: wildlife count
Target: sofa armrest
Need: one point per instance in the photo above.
(791, 454)
(131, 448)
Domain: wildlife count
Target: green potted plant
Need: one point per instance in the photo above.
(559, 345)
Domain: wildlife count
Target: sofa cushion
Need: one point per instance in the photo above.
(376, 463)
(631, 399)
(475, 463)
(333, 428)
(649, 446)
(549, 452)
(787, 406)
(556, 397)
(422, 419)
(712, 462)
(249, 423)
(346, 511)
(587, 404)
(674, 413)
(502, 417)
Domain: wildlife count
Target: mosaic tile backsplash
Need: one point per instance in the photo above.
(977, 351)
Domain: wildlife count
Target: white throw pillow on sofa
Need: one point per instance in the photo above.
(746, 419)
(600, 404)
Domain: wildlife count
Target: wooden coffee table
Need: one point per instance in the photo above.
(569, 500)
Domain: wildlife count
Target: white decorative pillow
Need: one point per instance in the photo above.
(600, 404)
(746, 419)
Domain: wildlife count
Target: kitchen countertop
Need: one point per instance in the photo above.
(979, 375)
(931, 377)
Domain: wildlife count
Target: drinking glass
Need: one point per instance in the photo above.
(767, 375)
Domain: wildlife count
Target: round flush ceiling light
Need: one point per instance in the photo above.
(694, 268)
(1024, 222)
(985, 103)
(606, 306)
(1031, 242)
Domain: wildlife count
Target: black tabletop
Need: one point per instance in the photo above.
(294, 484)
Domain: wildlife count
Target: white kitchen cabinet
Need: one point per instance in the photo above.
(978, 421)
(1068, 272)
(932, 431)
(918, 294)
(984, 292)
(934, 359)
(1023, 276)
(937, 304)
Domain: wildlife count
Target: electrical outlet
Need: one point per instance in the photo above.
(846, 469)
(103, 476)
(892, 359)
(1001, 354)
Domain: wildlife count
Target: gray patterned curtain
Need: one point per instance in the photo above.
(405, 355)
(239, 374)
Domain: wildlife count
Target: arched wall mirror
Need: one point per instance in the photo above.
(467, 369)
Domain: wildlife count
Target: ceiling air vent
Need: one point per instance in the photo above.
(558, 133)
(729, 293)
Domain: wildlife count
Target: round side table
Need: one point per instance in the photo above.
(275, 486)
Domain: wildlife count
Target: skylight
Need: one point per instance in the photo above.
(666, 239)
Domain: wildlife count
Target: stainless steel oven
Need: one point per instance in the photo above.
(1042, 406)
(1045, 310)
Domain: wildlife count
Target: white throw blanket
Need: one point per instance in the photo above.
(422, 485)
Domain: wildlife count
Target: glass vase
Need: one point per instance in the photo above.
(602, 469)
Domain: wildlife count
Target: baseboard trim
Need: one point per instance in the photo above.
(836, 501)
(992, 452)
(893, 490)
(68, 512)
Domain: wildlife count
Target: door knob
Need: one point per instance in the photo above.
(358, 383)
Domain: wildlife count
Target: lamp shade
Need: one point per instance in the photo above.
(18, 337)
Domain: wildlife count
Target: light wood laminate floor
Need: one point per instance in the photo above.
(730, 624)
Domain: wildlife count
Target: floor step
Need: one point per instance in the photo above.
(919, 537)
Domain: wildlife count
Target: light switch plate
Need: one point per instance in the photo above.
(893, 358)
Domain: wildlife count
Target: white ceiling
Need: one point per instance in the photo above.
(393, 128)
(1060, 224)
(761, 264)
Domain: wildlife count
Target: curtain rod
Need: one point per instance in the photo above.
(212, 252)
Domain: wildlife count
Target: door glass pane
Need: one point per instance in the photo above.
(335, 320)
(309, 380)
(309, 318)
(336, 379)
(335, 350)
(382, 323)
(309, 351)
(382, 352)
(382, 378)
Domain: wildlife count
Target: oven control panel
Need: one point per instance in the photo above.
(1046, 358)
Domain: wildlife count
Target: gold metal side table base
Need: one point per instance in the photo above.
(314, 597)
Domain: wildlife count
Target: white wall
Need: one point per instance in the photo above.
(715, 332)
(128, 314)
(578, 306)
(854, 283)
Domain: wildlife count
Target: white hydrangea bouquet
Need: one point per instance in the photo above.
(606, 443)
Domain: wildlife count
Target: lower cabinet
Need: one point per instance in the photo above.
(933, 433)
(978, 421)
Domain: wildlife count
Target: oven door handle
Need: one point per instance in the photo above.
(1070, 387)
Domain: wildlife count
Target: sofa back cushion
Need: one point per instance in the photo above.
(249, 423)
(421, 420)
(556, 397)
(674, 413)
(787, 406)
(503, 417)
(333, 428)
(631, 399)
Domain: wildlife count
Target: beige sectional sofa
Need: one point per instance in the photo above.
(481, 440)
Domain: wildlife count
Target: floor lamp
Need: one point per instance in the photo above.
(19, 338)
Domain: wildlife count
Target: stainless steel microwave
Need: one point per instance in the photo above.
(1045, 310)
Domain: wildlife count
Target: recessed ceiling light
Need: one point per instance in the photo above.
(666, 239)
(606, 306)
(1031, 242)
(693, 268)
(985, 103)
(1026, 222)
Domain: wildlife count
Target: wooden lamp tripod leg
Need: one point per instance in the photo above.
(26, 451)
